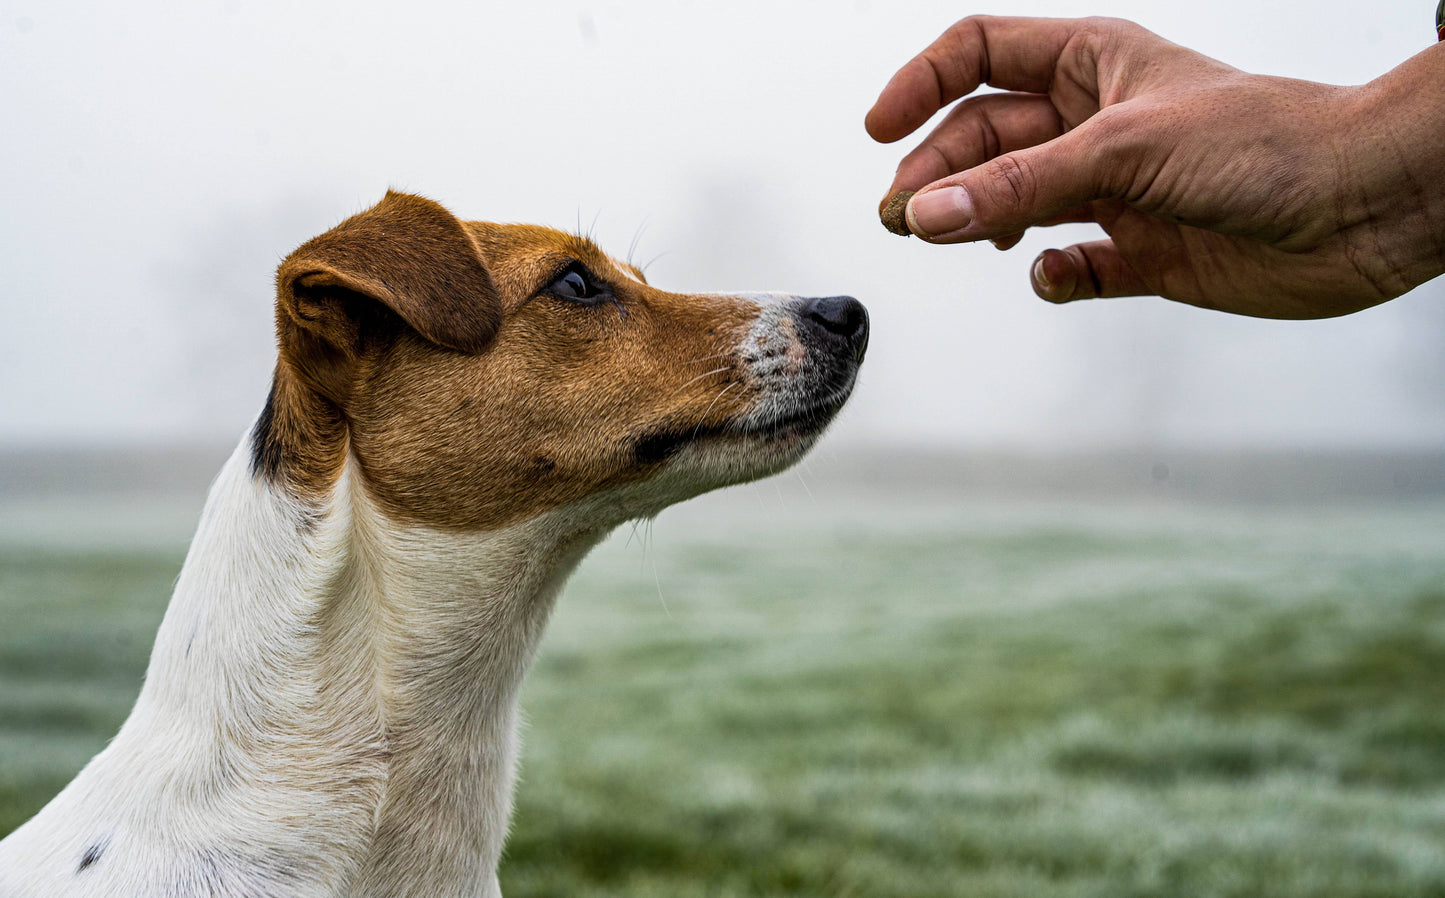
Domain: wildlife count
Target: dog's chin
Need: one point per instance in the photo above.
(746, 448)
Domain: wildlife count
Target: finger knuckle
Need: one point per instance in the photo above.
(964, 33)
(1013, 180)
(1088, 40)
(1109, 27)
(988, 137)
(963, 48)
(972, 24)
(1098, 36)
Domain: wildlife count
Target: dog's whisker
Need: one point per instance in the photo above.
(715, 400)
(700, 377)
(657, 579)
(724, 353)
(804, 481)
(705, 359)
(636, 239)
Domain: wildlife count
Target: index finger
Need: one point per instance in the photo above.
(1013, 53)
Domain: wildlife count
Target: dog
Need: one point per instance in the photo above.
(459, 412)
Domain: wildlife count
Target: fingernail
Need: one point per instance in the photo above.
(940, 212)
(1050, 289)
(1041, 280)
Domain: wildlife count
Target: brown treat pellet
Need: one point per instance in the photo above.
(893, 213)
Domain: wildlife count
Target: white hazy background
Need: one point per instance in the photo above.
(158, 159)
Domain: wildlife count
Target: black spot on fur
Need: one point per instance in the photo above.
(660, 445)
(92, 855)
(265, 447)
(309, 520)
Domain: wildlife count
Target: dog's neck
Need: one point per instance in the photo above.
(329, 709)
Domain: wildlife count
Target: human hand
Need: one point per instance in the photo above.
(1249, 194)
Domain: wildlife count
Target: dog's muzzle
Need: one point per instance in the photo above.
(798, 363)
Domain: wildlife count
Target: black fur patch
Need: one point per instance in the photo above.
(265, 448)
(660, 446)
(92, 855)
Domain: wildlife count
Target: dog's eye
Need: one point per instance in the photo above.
(576, 283)
(572, 285)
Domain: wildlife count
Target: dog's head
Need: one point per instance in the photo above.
(481, 374)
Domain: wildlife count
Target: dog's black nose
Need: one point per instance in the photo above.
(839, 318)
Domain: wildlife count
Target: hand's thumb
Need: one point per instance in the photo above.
(1009, 193)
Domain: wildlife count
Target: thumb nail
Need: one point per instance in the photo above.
(940, 212)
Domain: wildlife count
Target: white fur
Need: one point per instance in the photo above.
(291, 739)
(331, 703)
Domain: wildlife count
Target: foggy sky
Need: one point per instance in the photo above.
(160, 159)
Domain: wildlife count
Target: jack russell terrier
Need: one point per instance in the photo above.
(460, 411)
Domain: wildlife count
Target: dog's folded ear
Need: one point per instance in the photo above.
(407, 254)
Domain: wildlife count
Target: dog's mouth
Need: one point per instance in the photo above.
(657, 446)
(798, 363)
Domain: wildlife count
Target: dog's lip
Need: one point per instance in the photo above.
(661, 444)
(815, 415)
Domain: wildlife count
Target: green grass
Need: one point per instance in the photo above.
(914, 700)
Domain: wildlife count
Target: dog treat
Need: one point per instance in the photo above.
(893, 213)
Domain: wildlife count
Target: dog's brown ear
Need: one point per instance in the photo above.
(408, 254)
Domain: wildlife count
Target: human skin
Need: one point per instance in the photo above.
(1256, 195)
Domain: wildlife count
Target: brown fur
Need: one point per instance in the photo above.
(470, 399)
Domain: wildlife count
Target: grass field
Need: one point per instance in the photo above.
(860, 696)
